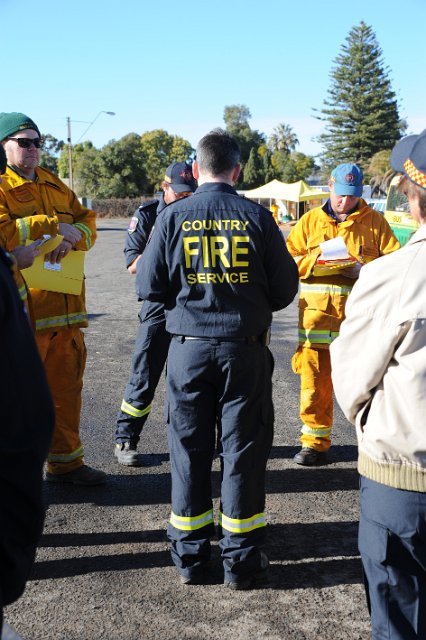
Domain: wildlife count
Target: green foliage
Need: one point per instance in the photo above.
(134, 166)
(361, 109)
(118, 170)
(379, 172)
(161, 149)
(253, 170)
(49, 154)
(297, 167)
(379, 164)
(236, 118)
(292, 167)
(267, 168)
(282, 139)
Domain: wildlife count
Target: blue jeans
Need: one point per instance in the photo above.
(392, 542)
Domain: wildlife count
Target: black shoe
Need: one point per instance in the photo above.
(84, 475)
(247, 583)
(310, 457)
(126, 454)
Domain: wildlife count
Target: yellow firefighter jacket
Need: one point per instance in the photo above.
(367, 236)
(28, 210)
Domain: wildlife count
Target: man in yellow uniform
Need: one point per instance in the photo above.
(367, 236)
(34, 202)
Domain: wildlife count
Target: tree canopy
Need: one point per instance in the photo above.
(159, 150)
(361, 110)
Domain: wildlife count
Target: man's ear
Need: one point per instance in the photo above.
(236, 172)
(195, 170)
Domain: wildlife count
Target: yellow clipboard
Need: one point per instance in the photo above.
(332, 267)
(48, 244)
(65, 277)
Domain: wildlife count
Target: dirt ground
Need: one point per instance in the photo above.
(103, 568)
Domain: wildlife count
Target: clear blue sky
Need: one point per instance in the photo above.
(176, 65)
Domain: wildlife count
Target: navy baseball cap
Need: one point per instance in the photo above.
(347, 180)
(409, 156)
(179, 177)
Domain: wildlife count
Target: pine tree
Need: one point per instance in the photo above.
(253, 174)
(361, 109)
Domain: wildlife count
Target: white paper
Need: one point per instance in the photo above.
(52, 266)
(334, 249)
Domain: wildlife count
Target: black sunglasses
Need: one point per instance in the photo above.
(25, 143)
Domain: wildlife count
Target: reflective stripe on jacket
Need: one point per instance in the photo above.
(322, 301)
(28, 210)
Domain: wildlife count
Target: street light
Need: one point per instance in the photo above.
(109, 113)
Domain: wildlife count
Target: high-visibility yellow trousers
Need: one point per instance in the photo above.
(63, 354)
(316, 396)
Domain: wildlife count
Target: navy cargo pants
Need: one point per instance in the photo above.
(392, 542)
(224, 385)
(149, 358)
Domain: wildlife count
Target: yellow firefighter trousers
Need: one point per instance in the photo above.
(63, 353)
(316, 396)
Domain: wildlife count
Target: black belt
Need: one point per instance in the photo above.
(263, 338)
(248, 339)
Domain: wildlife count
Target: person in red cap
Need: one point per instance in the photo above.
(379, 376)
(323, 294)
(152, 340)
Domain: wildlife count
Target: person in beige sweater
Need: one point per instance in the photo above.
(379, 377)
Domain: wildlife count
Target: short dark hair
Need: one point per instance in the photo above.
(413, 190)
(217, 152)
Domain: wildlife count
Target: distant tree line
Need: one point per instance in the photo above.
(362, 125)
(135, 164)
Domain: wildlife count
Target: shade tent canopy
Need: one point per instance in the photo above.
(292, 192)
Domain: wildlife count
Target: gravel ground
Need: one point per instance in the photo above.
(103, 568)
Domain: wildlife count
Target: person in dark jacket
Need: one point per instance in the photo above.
(219, 264)
(26, 425)
(152, 340)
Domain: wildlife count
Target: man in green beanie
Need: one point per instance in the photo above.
(24, 439)
(35, 202)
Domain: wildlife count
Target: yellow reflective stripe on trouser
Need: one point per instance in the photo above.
(308, 337)
(66, 457)
(332, 289)
(245, 525)
(23, 230)
(191, 523)
(132, 411)
(86, 232)
(23, 293)
(61, 321)
(323, 432)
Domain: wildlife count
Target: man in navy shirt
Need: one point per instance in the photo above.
(152, 340)
(219, 264)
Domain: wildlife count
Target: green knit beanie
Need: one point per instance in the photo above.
(3, 160)
(11, 123)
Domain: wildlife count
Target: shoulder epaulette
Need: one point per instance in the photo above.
(148, 204)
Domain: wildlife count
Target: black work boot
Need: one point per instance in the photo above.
(309, 457)
(126, 454)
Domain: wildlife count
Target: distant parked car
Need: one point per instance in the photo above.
(377, 203)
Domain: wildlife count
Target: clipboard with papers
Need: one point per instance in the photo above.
(333, 258)
(64, 277)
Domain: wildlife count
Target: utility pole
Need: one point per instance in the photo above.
(69, 153)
